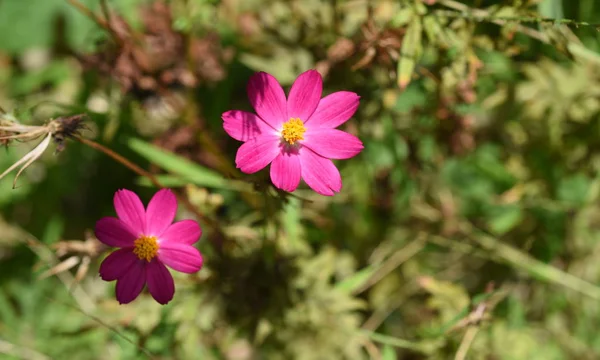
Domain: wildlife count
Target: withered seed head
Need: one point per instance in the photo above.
(67, 127)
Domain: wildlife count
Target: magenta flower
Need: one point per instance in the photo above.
(148, 241)
(296, 136)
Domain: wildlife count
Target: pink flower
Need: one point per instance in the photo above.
(296, 136)
(148, 242)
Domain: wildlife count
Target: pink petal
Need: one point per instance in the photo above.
(160, 282)
(116, 264)
(185, 232)
(130, 285)
(243, 126)
(114, 232)
(319, 173)
(285, 171)
(161, 212)
(130, 209)
(334, 110)
(305, 95)
(268, 99)
(257, 153)
(332, 143)
(181, 257)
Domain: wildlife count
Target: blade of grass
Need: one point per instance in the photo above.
(545, 272)
(425, 348)
(188, 170)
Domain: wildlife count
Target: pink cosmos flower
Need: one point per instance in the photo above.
(148, 241)
(297, 135)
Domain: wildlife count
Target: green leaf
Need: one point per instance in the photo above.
(505, 218)
(574, 190)
(551, 9)
(294, 232)
(402, 17)
(388, 352)
(357, 280)
(165, 180)
(423, 347)
(53, 74)
(194, 173)
(410, 52)
(411, 97)
(54, 230)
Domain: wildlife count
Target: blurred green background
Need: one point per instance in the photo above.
(468, 228)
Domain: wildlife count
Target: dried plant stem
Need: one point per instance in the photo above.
(372, 350)
(103, 23)
(90, 14)
(135, 168)
(120, 159)
(466, 342)
(105, 11)
(409, 289)
(397, 259)
(83, 299)
(494, 249)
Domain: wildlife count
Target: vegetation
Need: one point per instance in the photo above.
(467, 228)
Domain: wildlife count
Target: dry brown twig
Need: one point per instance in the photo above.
(82, 253)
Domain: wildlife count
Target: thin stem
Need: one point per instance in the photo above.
(131, 166)
(466, 342)
(394, 341)
(106, 12)
(90, 14)
(484, 14)
(394, 261)
(106, 325)
(103, 23)
(135, 168)
(520, 19)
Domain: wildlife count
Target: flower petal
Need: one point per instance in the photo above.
(267, 98)
(333, 143)
(305, 95)
(185, 232)
(161, 212)
(160, 282)
(257, 153)
(243, 126)
(319, 173)
(114, 232)
(116, 264)
(181, 257)
(130, 210)
(285, 171)
(130, 285)
(334, 110)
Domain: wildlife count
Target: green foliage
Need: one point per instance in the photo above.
(467, 228)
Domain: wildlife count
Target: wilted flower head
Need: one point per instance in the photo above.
(148, 241)
(297, 135)
(59, 129)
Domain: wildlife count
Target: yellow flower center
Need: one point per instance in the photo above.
(293, 130)
(145, 247)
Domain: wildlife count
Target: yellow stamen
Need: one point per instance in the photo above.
(293, 130)
(145, 247)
